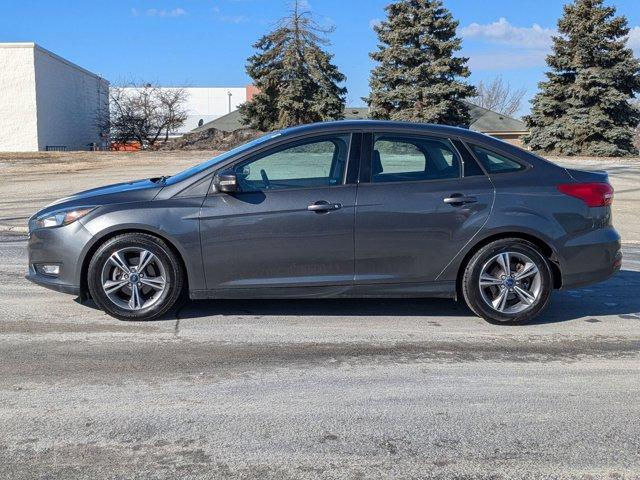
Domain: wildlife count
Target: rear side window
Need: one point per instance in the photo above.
(494, 162)
(407, 159)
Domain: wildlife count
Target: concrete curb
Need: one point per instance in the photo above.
(13, 229)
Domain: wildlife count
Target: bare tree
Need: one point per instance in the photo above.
(497, 95)
(144, 112)
(172, 102)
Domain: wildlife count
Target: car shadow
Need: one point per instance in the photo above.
(619, 295)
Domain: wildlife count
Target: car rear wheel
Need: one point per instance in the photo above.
(508, 282)
(135, 276)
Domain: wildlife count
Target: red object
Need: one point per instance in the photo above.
(125, 147)
(593, 194)
(251, 90)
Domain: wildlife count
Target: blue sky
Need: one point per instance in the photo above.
(206, 42)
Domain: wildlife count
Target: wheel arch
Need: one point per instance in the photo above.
(101, 240)
(546, 249)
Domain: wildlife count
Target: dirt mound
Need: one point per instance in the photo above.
(211, 139)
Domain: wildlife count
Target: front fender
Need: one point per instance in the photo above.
(174, 221)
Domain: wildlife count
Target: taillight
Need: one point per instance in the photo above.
(593, 194)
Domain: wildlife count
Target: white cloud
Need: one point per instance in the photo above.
(374, 22)
(503, 32)
(521, 47)
(176, 12)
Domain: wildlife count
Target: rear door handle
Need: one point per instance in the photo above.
(457, 199)
(323, 206)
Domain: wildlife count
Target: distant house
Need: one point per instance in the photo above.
(497, 125)
(49, 103)
(482, 120)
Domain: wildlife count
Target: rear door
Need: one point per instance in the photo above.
(290, 225)
(416, 208)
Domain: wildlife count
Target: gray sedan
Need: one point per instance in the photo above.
(338, 209)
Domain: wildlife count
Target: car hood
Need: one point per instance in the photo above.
(135, 191)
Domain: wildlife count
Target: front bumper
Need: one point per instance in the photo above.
(590, 258)
(52, 283)
(62, 246)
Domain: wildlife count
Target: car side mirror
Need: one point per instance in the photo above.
(226, 182)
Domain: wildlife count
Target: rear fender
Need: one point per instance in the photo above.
(520, 226)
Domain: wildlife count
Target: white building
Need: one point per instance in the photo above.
(208, 103)
(47, 102)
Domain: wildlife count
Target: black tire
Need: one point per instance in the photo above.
(173, 271)
(471, 282)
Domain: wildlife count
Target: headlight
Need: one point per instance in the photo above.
(59, 218)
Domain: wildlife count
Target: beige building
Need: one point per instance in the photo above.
(47, 102)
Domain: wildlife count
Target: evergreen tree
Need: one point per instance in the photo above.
(298, 83)
(584, 105)
(418, 78)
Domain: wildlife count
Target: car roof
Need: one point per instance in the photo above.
(368, 125)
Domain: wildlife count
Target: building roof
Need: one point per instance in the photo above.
(482, 120)
(487, 121)
(37, 47)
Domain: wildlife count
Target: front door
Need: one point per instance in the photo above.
(415, 209)
(290, 225)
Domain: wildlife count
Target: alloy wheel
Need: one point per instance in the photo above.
(510, 282)
(133, 278)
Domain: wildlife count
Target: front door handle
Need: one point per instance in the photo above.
(323, 206)
(457, 199)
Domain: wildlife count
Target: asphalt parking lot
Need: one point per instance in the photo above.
(372, 389)
(318, 389)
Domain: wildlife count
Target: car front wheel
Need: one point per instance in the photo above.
(508, 282)
(135, 276)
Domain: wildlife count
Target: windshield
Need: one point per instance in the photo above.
(219, 159)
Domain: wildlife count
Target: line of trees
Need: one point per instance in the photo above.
(584, 107)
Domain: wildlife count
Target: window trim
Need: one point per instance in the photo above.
(366, 177)
(292, 144)
(525, 165)
(462, 148)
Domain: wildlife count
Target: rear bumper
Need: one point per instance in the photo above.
(590, 258)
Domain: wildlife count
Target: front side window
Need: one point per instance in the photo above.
(319, 162)
(405, 159)
(494, 162)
